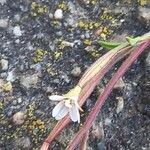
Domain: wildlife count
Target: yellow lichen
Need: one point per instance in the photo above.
(87, 42)
(51, 71)
(39, 54)
(57, 54)
(88, 25)
(63, 5)
(38, 9)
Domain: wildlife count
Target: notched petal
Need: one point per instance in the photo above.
(56, 97)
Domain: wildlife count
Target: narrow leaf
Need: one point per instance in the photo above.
(109, 45)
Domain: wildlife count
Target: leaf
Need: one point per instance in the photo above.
(109, 45)
(132, 41)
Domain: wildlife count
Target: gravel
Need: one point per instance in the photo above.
(17, 31)
(4, 64)
(58, 14)
(19, 118)
(76, 72)
(3, 23)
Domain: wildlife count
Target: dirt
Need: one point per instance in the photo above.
(38, 64)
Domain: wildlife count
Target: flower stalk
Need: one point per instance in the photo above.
(94, 112)
(89, 80)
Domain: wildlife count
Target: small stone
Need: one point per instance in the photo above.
(98, 32)
(17, 31)
(76, 72)
(51, 16)
(87, 35)
(3, 23)
(11, 76)
(143, 16)
(58, 14)
(107, 121)
(7, 87)
(120, 104)
(67, 44)
(17, 17)
(82, 36)
(19, 100)
(4, 64)
(24, 143)
(19, 118)
(49, 90)
(14, 102)
(59, 33)
(97, 131)
(29, 80)
(120, 84)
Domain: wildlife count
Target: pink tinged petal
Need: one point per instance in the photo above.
(74, 114)
(56, 97)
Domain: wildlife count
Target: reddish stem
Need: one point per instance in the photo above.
(92, 115)
(86, 91)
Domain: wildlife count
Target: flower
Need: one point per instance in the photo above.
(68, 104)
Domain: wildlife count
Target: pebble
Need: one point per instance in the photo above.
(17, 17)
(87, 35)
(107, 121)
(17, 31)
(59, 33)
(76, 72)
(11, 76)
(120, 84)
(29, 80)
(58, 14)
(19, 100)
(120, 104)
(19, 118)
(24, 143)
(3, 23)
(4, 64)
(143, 16)
(97, 131)
(51, 16)
(49, 90)
(67, 44)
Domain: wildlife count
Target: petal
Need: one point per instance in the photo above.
(62, 113)
(74, 114)
(57, 108)
(56, 97)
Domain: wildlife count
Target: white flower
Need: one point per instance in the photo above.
(68, 104)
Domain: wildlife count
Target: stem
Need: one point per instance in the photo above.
(86, 91)
(83, 143)
(92, 115)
